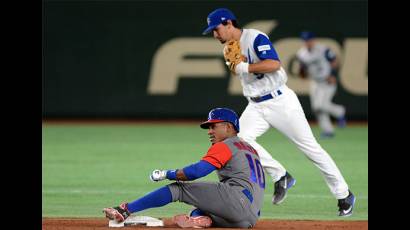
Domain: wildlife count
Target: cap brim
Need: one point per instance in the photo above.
(206, 124)
(209, 29)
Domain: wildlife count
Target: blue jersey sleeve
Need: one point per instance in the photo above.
(264, 48)
(194, 171)
(197, 170)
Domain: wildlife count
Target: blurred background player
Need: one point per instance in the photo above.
(320, 63)
(273, 104)
(233, 202)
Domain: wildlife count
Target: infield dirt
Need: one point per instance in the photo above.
(101, 224)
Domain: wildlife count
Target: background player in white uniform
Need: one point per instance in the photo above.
(273, 104)
(319, 63)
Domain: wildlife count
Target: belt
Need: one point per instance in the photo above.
(267, 96)
(248, 194)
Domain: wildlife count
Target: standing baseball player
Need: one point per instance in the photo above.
(235, 201)
(251, 56)
(319, 63)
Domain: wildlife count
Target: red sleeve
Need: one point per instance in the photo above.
(218, 155)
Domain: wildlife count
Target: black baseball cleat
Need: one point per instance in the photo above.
(119, 213)
(281, 188)
(346, 205)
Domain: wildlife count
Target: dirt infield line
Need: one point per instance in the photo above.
(101, 224)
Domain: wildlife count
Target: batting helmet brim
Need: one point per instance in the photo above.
(208, 123)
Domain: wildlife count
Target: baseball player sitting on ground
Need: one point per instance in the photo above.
(320, 64)
(252, 58)
(233, 202)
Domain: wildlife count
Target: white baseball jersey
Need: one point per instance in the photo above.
(255, 46)
(317, 61)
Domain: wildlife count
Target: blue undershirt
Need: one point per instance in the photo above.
(194, 171)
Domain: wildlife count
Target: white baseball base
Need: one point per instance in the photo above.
(137, 220)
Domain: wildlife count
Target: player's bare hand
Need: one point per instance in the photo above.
(240, 68)
(331, 80)
(158, 175)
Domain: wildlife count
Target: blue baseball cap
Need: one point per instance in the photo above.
(307, 35)
(216, 17)
(221, 115)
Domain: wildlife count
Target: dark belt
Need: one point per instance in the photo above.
(266, 97)
(248, 194)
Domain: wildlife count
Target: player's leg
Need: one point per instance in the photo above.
(291, 121)
(221, 222)
(229, 205)
(315, 97)
(214, 198)
(325, 125)
(253, 125)
(335, 110)
(197, 215)
(157, 198)
(319, 98)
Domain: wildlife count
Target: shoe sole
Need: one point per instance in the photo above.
(292, 183)
(113, 214)
(347, 215)
(185, 221)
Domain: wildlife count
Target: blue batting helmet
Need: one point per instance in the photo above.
(220, 115)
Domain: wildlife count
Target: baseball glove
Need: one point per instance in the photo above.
(233, 55)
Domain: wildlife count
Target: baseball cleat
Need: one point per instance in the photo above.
(346, 205)
(281, 188)
(119, 213)
(185, 221)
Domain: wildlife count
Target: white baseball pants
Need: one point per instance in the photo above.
(321, 95)
(285, 113)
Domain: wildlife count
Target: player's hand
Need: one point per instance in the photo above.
(240, 68)
(234, 58)
(158, 175)
(331, 80)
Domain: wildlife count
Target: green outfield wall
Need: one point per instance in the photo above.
(139, 59)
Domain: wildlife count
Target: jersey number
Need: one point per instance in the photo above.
(257, 174)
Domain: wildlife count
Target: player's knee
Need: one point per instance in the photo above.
(326, 106)
(317, 110)
(176, 191)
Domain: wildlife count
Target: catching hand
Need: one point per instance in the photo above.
(234, 57)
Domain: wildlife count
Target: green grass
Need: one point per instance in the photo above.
(88, 167)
